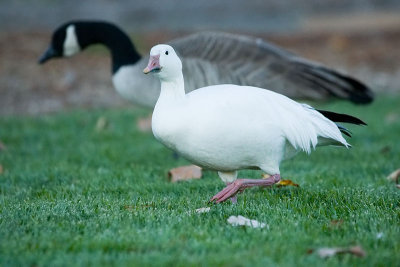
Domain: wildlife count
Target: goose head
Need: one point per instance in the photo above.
(64, 43)
(164, 62)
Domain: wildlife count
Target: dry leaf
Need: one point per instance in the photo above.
(329, 252)
(2, 146)
(144, 124)
(336, 222)
(357, 251)
(398, 186)
(129, 207)
(286, 183)
(101, 124)
(281, 182)
(203, 210)
(394, 176)
(185, 173)
(1, 169)
(243, 221)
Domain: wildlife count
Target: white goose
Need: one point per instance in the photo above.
(208, 58)
(229, 127)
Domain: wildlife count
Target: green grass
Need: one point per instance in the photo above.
(72, 195)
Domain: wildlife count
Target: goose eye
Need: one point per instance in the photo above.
(166, 52)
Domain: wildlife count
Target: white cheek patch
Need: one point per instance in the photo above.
(71, 45)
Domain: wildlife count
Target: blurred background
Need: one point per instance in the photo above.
(360, 37)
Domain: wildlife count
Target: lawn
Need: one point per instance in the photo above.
(73, 194)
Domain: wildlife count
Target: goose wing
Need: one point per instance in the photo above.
(218, 58)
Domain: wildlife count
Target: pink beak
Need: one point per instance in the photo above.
(154, 64)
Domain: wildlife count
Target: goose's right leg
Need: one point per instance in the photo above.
(241, 184)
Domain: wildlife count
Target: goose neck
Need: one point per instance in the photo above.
(122, 50)
(172, 89)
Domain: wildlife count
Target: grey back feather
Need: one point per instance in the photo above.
(211, 58)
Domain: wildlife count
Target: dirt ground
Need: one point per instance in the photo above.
(84, 81)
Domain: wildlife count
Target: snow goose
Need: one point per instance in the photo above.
(208, 58)
(230, 127)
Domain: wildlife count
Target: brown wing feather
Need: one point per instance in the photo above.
(238, 59)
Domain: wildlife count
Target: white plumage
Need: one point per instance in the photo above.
(229, 127)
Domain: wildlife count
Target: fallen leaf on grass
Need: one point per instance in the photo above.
(281, 182)
(329, 252)
(203, 210)
(398, 186)
(129, 207)
(394, 176)
(144, 124)
(243, 221)
(101, 124)
(336, 222)
(286, 183)
(185, 173)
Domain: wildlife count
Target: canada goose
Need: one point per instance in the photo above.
(209, 58)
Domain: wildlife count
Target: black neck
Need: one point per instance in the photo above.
(122, 50)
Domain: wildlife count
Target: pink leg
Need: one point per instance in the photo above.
(241, 184)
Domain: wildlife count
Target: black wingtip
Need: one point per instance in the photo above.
(358, 92)
(338, 117)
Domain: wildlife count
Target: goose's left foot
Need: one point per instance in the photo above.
(241, 184)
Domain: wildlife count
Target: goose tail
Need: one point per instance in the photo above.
(344, 118)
